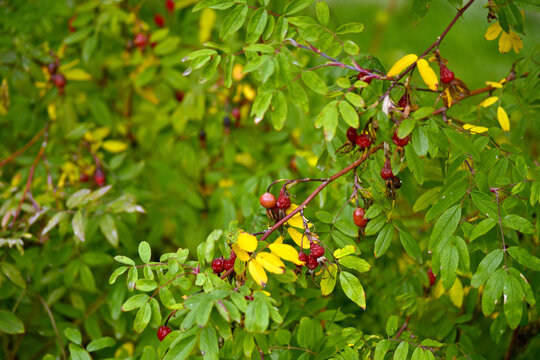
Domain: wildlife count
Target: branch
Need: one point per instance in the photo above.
(23, 149)
(53, 323)
(435, 44)
(337, 175)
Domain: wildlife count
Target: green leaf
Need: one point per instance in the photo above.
(10, 323)
(485, 204)
(463, 250)
(306, 333)
(523, 257)
(78, 198)
(145, 252)
(328, 280)
(355, 99)
(402, 351)
(279, 114)
(296, 6)
(420, 141)
(78, 224)
(518, 223)
(350, 28)
(117, 273)
(233, 21)
(415, 164)
(206, 53)
(492, 291)
(261, 103)
(350, 47)
(423, 112)
(349, 114)
(282, 26)
(384, 239)
(181, 349)
(486, 267)
(73, 335)
(107, 225)
(391, 325)
(54, 221)
(445, 226)
(78, 353)
(208, 343)
(356, 263)
(13, 274)
(257, 316)
(482, 228)
(461, 143)
(406, 127)
(124, 260)
(100, 343)
(353, 288)
(427, 198)
(314, 82)
(419, 9)
(168, 46)
(449, 265)
(323, 12)
(135, 302)
(256, 25)
(142, 318)
(410, 245)
(213, 4)
(328, 119)
(381, 349)
(299, 97)
(513, 304)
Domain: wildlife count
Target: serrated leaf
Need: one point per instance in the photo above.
(445, 226)
(323, 12)
(314, 82)
(350, 28)
(233, 21)
(328, 280)
(78, 223)
(352, 288)
(349, 114)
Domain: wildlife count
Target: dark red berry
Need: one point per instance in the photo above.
(267, 200)
(386, 171)
(229, 264)
(312, 262)
(404, 100)
(99, 177)
(235, 113)
(162, 332)
(302, 256)
(233, 254)
(179, 95)
(446, 74)
(399, 141)
(159, 20)
(363, 141)
(432, 277)
(397, 182)
(52, 67)
(140, 40)
(70, 24)
(218, 265)
(283, 201)
(249, 297)
(352, 134)
(169, 4)
(358, 217)
(84, 177)
(59, 80)
(316, 250)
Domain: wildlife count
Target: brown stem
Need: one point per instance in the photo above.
(319, 189)
(435, 44)
(23, 149)
(53, 323)
(405, 324)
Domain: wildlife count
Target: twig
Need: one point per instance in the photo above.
(405, 324)
(319, 189)
(496, 192)
(53, 323)
(23, 149)
(292, 348)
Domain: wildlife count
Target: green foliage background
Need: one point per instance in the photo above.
(189, 187)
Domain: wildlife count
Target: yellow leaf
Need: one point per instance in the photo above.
(51, 110)
(475, 129)
(66, 67)
(114, 146)
(237, 73)
(206, 24)
(503, 119)
(402, 64)
(100, 133)
(270, 262)
(257, 273)
(296, 220)
(494, 84)
(493, 31)
(148, 94)
(246, 241)
(517, 44)
(328, 280)
(77, 74)
(126, 349)
(347, 250)
(438, 290)
(286, 252)
(505, 42)
(298, 238)
(279, 240)
(489, 101)
(456, 293)
(427, 74)
(249, 92)
(240, 253)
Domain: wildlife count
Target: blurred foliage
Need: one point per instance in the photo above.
(118, 135)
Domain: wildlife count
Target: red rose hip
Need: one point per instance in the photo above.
(386, 171)
(163, 331)
(302, 256)
(432, 277)
(169, 4)
(400, 141)
(140, 40)
(218, 265)
(159, 20)
(352, 134)
(99, 177)
(312, 262)
(404, 100)
(267, 200)
(446, 74)
(316, 250)
(363, 141)
(358, 217)
(283, 201)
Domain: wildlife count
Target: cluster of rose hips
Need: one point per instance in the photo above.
(363, 140)
(312, 260)
(221, 264)
(275, 208)
(57, 78)
(99, 177)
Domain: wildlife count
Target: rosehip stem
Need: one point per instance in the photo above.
(337, 175)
